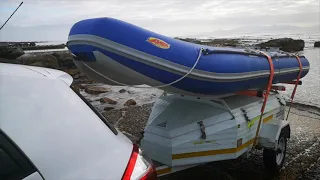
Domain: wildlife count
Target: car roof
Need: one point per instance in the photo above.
(27, 72)
(55, 128)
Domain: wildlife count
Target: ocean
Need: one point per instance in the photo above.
(309, 92)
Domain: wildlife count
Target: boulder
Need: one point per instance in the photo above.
(38, 64)
(10, 52)
(284, 44)
(214, 42)
(65, 59)
(46, 60)
(96, 90)
(67, 63)
(62, 54)
(130, 102)
(108, 100)
(28, 59)
(12, 61)
(122, 91)
(317, 44)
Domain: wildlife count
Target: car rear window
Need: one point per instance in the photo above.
(106, 122)
(7, 166)
(13, 162)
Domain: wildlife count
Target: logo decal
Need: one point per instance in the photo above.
(158, 42)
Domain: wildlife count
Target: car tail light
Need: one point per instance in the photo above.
(139, 167)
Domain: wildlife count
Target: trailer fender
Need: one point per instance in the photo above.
(270, 133)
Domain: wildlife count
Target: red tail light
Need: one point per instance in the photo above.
(139, 167)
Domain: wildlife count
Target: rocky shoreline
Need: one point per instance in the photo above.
(284, 44)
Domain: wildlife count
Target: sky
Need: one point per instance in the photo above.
(51, 20)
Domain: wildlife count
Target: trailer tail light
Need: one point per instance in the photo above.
(139, 167)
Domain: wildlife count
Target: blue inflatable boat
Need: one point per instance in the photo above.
(120, 53)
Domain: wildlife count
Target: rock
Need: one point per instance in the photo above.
(108, 108)
(67, 63)
(284, 44)
(122, 91)
(213, 42)
(47, 60)
(65, 59)
(96, 90)
(76, 76)
(108, 100)
(317, 44)
(38, 64)
(28, 59)
(12, 61)
(82, 86)
(72, 72)
(76, 87)
(84, 81)
(130, 102)
(62, 54)
(10, 52)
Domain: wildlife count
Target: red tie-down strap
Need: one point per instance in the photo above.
(266, 94)
(296, 85)
(298, 78)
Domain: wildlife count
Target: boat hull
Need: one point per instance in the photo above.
(114, 51)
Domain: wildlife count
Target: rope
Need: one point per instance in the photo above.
(266, 94)
(160, 86)
(295, 86)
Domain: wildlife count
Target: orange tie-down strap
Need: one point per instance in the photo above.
(266, 95)
(295, 85)
(298, 78)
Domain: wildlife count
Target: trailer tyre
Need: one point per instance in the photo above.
(274, 159)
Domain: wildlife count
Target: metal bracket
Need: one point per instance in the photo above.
(245, 114)
(203, 130)
(280, 101)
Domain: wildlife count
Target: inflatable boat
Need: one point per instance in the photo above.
(119, 53)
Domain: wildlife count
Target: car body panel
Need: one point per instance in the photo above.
(58, 132)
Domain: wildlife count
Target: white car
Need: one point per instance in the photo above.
(48, 131)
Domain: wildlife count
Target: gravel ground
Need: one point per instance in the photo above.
(303, 154)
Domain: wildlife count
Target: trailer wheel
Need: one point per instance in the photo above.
(274, 159)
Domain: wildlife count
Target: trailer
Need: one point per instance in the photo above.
(186, 131)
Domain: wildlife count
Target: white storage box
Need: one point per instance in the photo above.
(188, 130)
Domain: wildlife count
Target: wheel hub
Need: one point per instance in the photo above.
(280, 150)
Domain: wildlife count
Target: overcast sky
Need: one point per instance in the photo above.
(52, 19)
